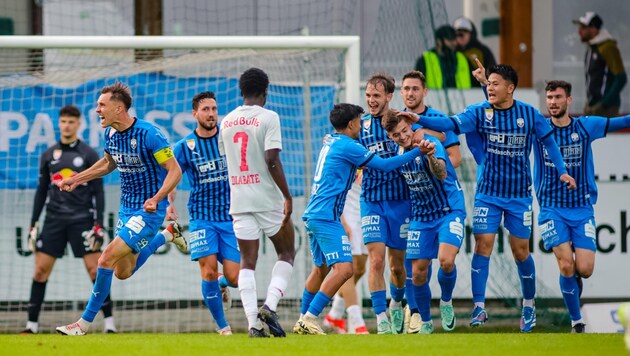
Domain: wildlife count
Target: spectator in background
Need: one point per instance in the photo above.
(469, 45)
(603, 67)
(443, 65)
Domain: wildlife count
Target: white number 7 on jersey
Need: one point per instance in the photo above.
(244, 138)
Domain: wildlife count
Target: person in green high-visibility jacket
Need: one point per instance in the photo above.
(443, 66)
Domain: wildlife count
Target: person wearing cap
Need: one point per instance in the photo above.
(603, 67)
(444, 66)
(469, 45)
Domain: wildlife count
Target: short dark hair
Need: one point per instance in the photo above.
(506, 72)
(386, 80)
(70, 110)
(120, 92)
(555, 84)
(416, 74)
(201, 96)
(253, 82)
(343, 113)
(390, 120)
(445, 32)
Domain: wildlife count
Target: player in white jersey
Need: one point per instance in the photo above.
(260, 202)
(347, 298)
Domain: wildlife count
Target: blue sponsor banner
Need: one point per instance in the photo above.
(29, 119)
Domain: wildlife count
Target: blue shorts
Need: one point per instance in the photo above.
(137, 227)
(213, 238)
(516, 212)
(424, 238)
(386, 222)
(575, 225)
(329, 242)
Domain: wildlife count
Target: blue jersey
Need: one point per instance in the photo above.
(378, 185)
(207, 174)
(506, 137)
(138, 152)
(575, 145)
(432, 198)
(336, 168)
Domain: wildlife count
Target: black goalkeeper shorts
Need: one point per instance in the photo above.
(57, 233)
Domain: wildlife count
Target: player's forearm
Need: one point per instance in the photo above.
(172, 196)
(39, 202)
(171, 180)
(619, 123)
(554, 154)
(98, 170)
(390, 164)
(277, 174)
(437, 167)
(437, 123)
(454, 155)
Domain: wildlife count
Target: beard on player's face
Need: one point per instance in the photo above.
(208, 125)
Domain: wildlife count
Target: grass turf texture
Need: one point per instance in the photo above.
(239, 344)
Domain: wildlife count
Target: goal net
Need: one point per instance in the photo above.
(39, 75)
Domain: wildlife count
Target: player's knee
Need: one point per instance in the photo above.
(287, 256)
(377, 265)
(567, 267)
(520, 253)
(397, 270)
(447, 264)
(122, 274)
(419, 276)
(210, 274)
(344, 270)
(40, 274)
(585, 271)
(359, 270)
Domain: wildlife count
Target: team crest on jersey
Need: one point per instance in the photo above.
(57, 154)
(520, 122)
(77, 161)
(401, 150)
(417, 160)
(134, 143)
(367, 124)
(575, 137)
(191, 144)
(489, 115)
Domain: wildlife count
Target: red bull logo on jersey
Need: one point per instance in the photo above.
(62, 174)
(241, 121)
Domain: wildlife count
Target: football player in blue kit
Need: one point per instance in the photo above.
(507, 129)
(148, 172)
(437, 223)
(566, 219)
(334, 173)
(211, 235)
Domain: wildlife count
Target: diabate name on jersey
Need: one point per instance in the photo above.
(245, 179)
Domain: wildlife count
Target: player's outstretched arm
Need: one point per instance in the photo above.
(99, 169)
(173, 176)
(619, 123)
(171, 213)
(272, 158)
(392, 163)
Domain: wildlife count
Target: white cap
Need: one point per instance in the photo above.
(462, 23)
(590, 18)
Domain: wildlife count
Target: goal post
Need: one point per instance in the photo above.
(41, 74)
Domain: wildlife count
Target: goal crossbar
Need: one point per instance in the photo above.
(351, 44)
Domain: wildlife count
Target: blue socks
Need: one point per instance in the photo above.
(102, 285)
(379, 301)
(212, 296)
(318, 304)
(527, 274)
(307, 298)
(447, 283)
(423, 298)
(571, 296)
(479, 277)
(397, 293)
(223, 282)
(149, 250)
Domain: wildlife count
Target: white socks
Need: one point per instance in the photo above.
(247, 288)
(33, 326)
(528, 302)
(280, 276)
(337, 308)
(109, 323)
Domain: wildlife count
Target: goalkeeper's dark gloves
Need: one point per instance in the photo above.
(94, 238)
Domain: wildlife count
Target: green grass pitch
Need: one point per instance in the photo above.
(240, 345)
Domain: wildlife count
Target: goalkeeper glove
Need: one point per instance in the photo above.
(94, 238)
(32, 238)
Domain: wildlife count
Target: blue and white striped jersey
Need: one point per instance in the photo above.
(138, 152)
(207, 174)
